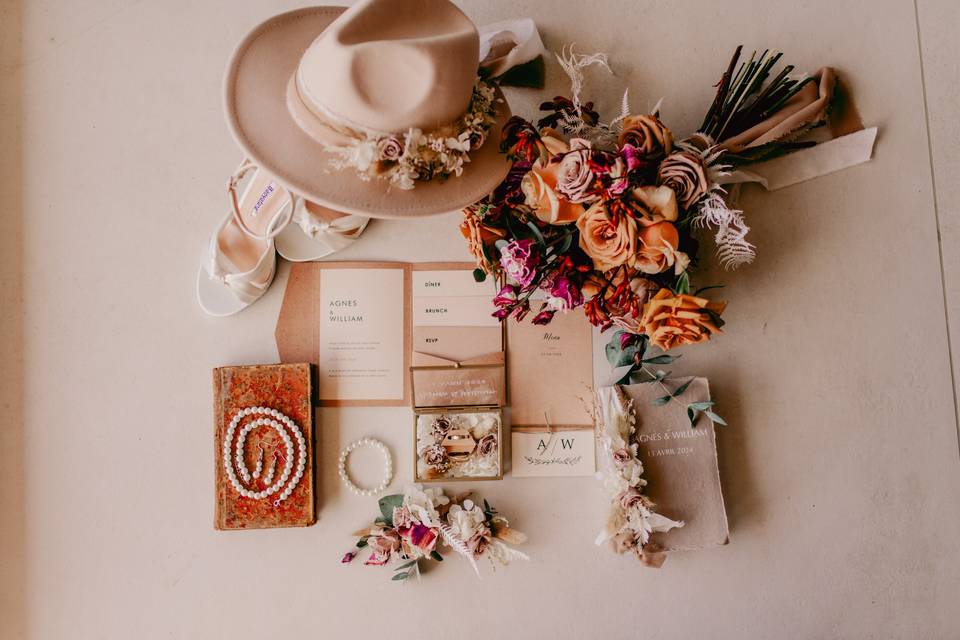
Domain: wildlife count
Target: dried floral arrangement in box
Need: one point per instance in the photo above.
(604, 215)
(462, 444)
(414, 526)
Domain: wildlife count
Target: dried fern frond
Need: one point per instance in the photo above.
(458, 545)
(733, 250)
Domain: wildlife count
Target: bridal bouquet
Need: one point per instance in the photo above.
(412, 527)
(604, 216)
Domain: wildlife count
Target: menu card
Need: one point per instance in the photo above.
(550, 372)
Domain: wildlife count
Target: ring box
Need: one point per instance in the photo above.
(470, 394)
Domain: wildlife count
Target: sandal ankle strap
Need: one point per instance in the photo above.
(279, 221)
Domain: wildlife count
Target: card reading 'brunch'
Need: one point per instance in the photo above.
(361, 334)
(564, 452)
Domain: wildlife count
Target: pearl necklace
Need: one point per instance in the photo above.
(388, 471)
(281, 424)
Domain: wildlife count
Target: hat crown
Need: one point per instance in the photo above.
(392, 65)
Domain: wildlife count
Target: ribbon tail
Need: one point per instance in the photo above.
(512, 51)
(806, 164)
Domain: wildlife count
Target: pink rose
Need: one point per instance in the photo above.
(684, 173)
(575, 178)
(487, 445)
(632, 498)
(390, 149)
(478, 542)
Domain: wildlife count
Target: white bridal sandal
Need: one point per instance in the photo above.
(240, 261)
(317, 232)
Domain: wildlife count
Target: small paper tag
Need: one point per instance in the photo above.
(565, 452)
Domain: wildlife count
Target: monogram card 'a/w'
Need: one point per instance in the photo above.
(566, 452)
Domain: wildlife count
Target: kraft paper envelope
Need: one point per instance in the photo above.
(457, 343)
(443, 382)
(680, 465)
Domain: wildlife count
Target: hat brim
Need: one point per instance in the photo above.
(256, 110)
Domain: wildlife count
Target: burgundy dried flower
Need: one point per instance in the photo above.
(519, 260)
(544, 317)
(563, 290)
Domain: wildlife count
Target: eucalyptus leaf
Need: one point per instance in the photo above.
(682, 388)
(500, 244)
(537, 234)
(361, 543)
(628, 355)
(692, 415)
(715, 418)
(436, 556)
(401, 576)
(620, 374)
(659, 402)
(683, 284)
(613, 353)
(479, 275)
(700, 406)
(387, 504)
(406, 565)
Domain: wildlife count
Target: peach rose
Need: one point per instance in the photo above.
(651, 138)
(657, 250)
(539, 186)
(671, 320)
(608, 243)
(479, 235)
(654, 204)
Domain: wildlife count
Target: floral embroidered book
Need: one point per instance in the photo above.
(263, 446)
(680, 466)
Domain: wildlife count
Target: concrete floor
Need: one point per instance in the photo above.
(840, 465)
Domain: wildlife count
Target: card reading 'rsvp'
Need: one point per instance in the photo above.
(559, 453)
(361, 334)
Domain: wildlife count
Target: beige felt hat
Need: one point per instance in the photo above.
(307, 80)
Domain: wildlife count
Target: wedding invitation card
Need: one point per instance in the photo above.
(365, 323)
(362, 334)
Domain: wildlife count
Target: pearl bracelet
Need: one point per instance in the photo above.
(388, 471)
(281, 424)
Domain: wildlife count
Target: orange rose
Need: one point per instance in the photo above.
(671, 320)
(657, 250)
(651, 138)
(654, 204)
(479, 235)
(609, 244)
(539, 186)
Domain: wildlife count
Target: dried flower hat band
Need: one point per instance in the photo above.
(401, 158)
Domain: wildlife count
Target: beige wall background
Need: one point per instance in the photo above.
(840, 464)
